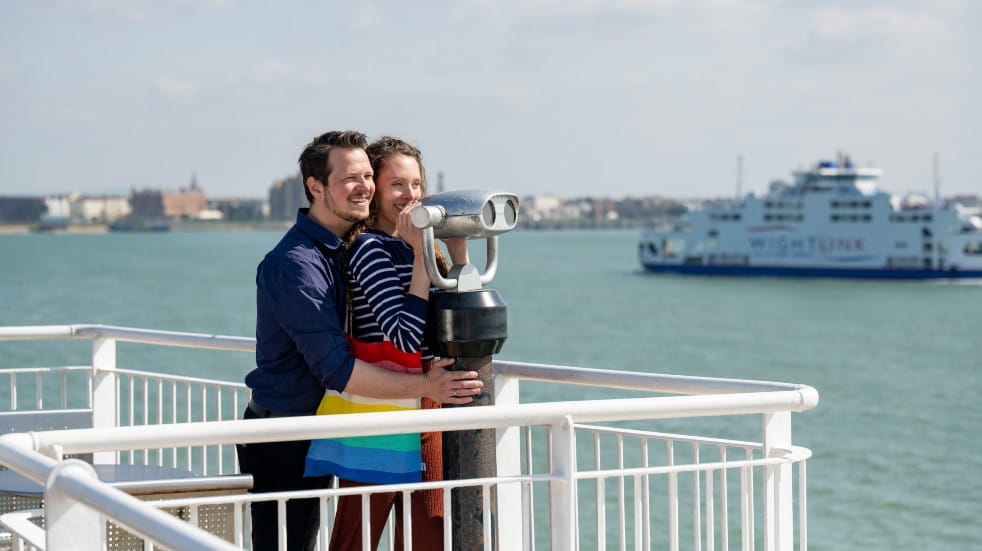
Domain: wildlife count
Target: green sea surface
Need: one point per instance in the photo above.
(896, 438)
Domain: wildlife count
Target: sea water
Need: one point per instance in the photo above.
(897, 459)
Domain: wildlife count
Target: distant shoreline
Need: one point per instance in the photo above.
(271, 225)
(178, 226)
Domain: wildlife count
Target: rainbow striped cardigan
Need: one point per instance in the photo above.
(381, 459)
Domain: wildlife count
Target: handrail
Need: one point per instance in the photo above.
(129, 334)
(19, 453)
(135, 515)
(19, 523)
(654, 382)
(367, 424)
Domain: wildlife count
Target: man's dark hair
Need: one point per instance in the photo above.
(315, 159)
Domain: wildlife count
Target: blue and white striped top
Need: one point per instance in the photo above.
(380, 267)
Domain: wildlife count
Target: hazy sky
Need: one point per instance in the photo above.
(575, 97)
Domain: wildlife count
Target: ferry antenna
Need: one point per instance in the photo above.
(739, 177)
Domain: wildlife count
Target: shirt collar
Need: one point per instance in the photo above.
(319, 233)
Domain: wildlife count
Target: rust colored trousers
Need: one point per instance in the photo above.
(426, 507)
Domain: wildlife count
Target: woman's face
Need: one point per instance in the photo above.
(396, 185)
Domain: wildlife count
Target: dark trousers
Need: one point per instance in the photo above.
(275, 467)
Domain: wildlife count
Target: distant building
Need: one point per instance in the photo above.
(21, 210)
(59, 206)
(147, 203)
(234, 208)
(186, 203)
(285, 197)
(539, 208)
(87, 209)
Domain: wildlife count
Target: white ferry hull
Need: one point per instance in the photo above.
(832, 222)
(812, 271)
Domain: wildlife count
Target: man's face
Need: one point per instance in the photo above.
(350, 186)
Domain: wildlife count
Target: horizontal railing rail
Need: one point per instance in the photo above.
(629, 380)
(72, 491)
(435, 420)
(652, 382)
(129, 334)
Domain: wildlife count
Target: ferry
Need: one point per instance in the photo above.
(832, 220)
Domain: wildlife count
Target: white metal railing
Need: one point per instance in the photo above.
(123, 397)
(533, 489)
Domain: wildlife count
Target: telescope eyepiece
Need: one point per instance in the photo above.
(471, 214)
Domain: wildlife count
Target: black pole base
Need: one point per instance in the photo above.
(471, 454)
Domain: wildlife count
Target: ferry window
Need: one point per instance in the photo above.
(712, 233)
(927, 247)
(835, 204)
(973, 248)
(834, 217)
(768, 205)
(737, 217)
(767, 217)
(672, 247)
(853, 204)
(867, 204)
(926, 217)
(925, 232)
(867, 218)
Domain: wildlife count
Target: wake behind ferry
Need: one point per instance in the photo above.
(831, 221)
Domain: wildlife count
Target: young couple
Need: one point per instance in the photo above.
(347, 319)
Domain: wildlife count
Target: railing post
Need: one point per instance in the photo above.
(508, 454)
(778, 507)
(562, 489)
(70, 524)
(104, 404)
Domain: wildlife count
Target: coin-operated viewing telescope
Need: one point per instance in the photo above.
(468, 323)
(469, 214)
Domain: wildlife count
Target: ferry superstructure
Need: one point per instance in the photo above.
(831, 221)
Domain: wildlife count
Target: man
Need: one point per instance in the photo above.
(300, 344)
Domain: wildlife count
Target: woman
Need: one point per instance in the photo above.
(388, 292)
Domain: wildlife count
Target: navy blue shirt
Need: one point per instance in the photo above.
(300, 302)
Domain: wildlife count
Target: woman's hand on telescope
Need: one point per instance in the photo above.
(405, 229)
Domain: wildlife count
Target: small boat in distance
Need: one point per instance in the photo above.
(831, 221)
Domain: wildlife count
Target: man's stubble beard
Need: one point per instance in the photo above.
(346, 216)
